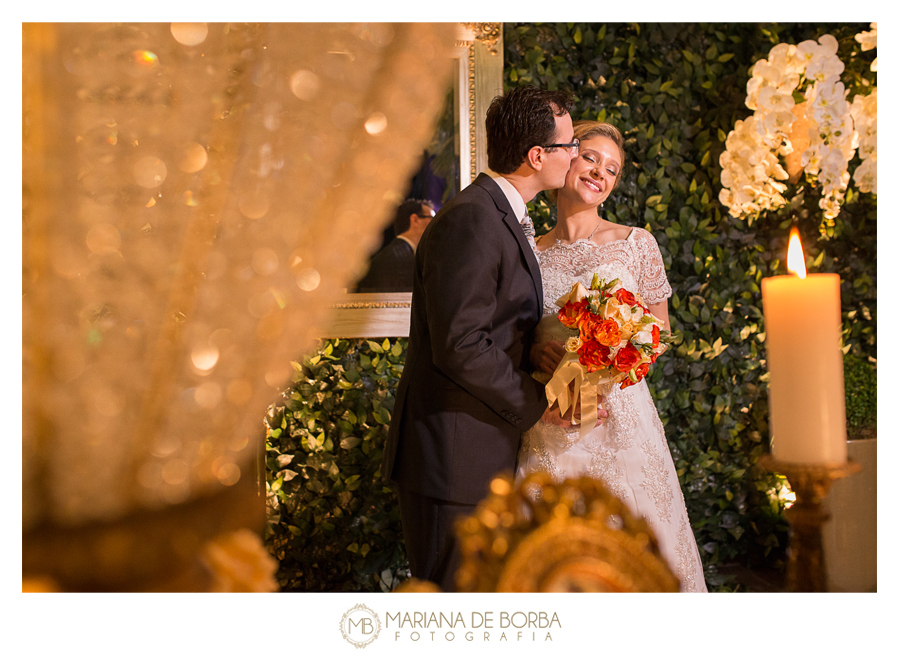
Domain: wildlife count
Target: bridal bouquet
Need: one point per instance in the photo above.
(618, 339)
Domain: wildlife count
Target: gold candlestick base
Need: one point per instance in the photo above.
(810, 482)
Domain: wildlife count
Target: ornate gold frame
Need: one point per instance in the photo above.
(479, 49)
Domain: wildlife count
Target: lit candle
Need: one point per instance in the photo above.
(806, 367)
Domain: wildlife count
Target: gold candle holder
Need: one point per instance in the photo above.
(810, 483)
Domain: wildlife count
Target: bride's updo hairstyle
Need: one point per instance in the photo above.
(585, 130)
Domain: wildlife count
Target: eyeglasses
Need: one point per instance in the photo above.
(572, 148)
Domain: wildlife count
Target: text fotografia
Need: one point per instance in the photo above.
(482, 626)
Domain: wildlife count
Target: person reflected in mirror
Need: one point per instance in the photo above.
(391, 269)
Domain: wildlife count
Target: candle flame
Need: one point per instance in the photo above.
(795, 260)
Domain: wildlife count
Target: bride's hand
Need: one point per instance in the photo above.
(546, 356)
(551, 416)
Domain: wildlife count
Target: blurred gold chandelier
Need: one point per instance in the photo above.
(194, 197)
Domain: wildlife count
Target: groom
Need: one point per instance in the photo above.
(465, 395)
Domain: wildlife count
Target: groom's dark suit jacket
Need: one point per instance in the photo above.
(465, 395)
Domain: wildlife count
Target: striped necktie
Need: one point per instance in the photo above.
(528, 228)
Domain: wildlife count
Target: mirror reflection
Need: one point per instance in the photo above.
(436, 180)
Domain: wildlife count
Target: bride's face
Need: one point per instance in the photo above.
(592, 174)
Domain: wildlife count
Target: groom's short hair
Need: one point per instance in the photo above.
(521, 118)
(407, 208)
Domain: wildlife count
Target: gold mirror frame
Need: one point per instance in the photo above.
(479, 49)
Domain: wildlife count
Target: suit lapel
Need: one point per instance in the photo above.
(487, 183)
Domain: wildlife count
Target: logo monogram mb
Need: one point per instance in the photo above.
(360, 625)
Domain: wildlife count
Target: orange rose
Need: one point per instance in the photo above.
(571, 313)
(625, 297)
(608, 333)
(627, 358)
(640, 372)
(593, 355)
(655, 333)
(589, 324)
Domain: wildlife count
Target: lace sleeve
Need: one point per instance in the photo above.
(652, 282)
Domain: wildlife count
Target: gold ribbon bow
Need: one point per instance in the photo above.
(571, 371)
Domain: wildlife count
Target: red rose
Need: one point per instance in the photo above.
(625, 297)
(655, 333)
(593, 355)
(627, 358)
(640, 372)
(571, 313)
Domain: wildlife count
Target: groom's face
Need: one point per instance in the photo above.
(558, 160)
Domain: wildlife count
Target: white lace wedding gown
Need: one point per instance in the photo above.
(629, 450)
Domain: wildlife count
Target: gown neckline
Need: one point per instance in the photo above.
(560, 243)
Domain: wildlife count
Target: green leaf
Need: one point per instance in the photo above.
(350, 442)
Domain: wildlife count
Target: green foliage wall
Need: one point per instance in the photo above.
(675, 91)
(333, 524)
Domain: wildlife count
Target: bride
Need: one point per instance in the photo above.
(628, 451)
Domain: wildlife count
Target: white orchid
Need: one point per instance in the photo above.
(868, 41)
(864, 111)
(751, 170)
(865, 176)
(822, 59)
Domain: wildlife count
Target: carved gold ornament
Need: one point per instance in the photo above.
(570, 537)
(489, 34)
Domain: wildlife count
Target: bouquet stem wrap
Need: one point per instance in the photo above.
(585, 386)
(618, 339)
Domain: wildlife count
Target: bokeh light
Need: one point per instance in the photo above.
(376, 123)
(189, 34)
(304, 85)
(149, 172)
(308, 279)
(193, 158)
